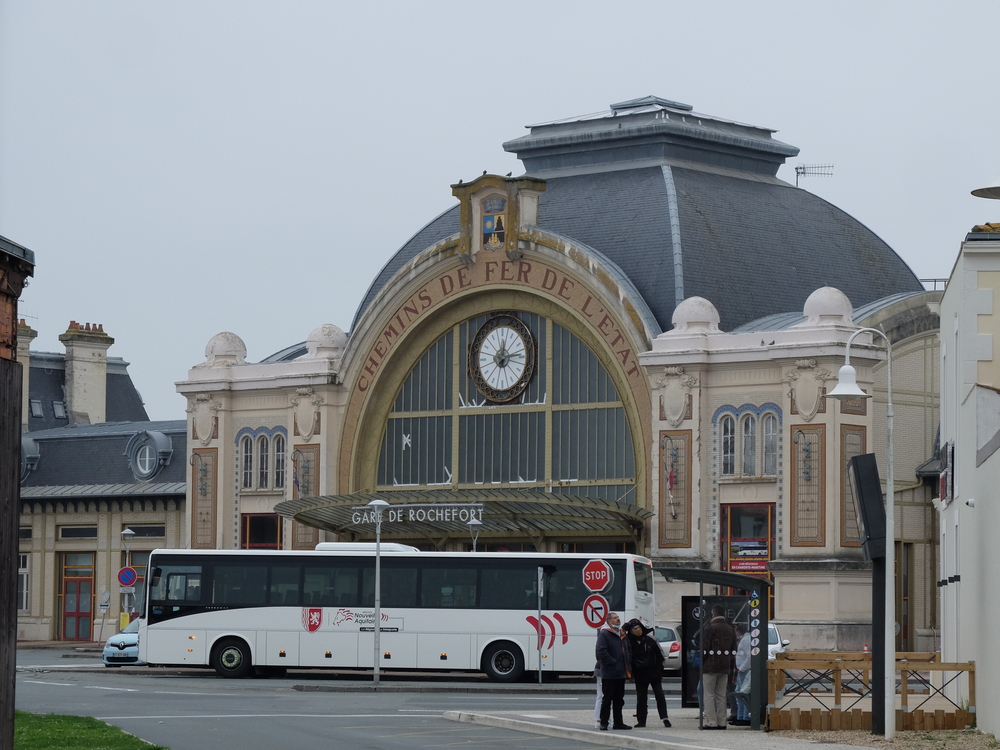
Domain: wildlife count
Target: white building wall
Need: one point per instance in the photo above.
(970, 523)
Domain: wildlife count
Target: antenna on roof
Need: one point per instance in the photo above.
(818, 170)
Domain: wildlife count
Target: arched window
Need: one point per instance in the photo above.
(749, 446)
(263, 464)
(557, 423)
(247, 463)
(279, 462)
(728, 445)
(770, 430)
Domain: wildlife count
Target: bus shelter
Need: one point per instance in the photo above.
(749, 607)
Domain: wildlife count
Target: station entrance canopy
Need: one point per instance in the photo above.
(506, 514)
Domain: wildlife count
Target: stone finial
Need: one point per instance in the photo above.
(694, 315)
(828, 306)
(326, 342)
(224, 350)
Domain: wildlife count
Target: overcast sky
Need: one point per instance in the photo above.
(186, 168)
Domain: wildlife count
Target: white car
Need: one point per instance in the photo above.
(774, 643)
(123, 648)
(669, 637)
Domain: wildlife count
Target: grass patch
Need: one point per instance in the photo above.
(37, 732)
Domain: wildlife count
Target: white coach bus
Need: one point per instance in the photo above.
(240, 610)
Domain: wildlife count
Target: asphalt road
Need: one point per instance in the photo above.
(200, 710)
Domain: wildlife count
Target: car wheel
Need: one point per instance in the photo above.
(503, 662)
(231, 658)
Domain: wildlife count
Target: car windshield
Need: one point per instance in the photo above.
(132, 627)
(772, 635)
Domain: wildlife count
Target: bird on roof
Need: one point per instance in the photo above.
(484, 171)
(510, 173)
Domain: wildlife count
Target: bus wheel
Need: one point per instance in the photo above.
(231, 658)
(503, 662)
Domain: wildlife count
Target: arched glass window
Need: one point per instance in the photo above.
(562, 426)
(749, 446)
(263, 463)
(145, 459)
(728, 445)
(247, 463)
(770, 428)
(279, 462)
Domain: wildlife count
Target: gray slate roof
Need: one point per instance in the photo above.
(753, 248)
(47, 383)
(94, 455)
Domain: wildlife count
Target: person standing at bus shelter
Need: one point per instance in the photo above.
(614, 658)
(647, 671)
(717, 658)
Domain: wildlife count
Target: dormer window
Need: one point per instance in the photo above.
(35, 408)
(148, 452)
(59, 409)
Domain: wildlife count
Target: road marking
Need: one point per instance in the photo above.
(123, 690)
(261, 716)
(177, 692)
(44, 682)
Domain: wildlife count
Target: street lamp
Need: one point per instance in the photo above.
(475, 526)
(377, 506)
(847, 390)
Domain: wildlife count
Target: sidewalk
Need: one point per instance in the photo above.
(579, 726)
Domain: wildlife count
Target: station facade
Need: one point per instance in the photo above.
(624, 349)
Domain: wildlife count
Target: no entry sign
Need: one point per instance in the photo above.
(595, 610)
(597, 576)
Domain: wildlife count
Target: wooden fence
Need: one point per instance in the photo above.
(822, 690)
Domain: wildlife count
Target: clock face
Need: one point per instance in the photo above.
(502, 358)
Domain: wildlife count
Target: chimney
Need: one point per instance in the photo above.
(86, 372)
(25, 335)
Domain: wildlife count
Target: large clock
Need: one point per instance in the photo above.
(502, 358)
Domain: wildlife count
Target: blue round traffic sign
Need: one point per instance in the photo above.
(127, 576)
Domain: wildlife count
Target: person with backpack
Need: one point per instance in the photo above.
(647, 671)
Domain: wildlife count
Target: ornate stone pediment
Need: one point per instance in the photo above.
(808, 384)
(204, 418)
(306, 415)
(675, 394)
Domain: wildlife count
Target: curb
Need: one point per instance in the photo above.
(594, 737)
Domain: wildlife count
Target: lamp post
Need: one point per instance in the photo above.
(475, 526)
(847, 390)
(377, 506)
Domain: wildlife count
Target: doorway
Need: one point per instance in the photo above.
(77, 596)
(748, 542)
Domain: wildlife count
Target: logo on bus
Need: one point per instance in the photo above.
(312, 618)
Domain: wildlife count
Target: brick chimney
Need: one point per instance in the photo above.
(86, 372)
(25, 335)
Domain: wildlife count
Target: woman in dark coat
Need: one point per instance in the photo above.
(647, 670)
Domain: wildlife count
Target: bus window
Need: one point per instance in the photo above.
(331, 582)
(240, 584)
(176, 583)
(505, 587)
(643, 577)
(399, 585)
(565, 589)
(285, 586)
(448, 586)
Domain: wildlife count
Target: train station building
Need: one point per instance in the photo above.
(626, 348)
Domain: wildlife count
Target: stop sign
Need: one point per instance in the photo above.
(597, 575)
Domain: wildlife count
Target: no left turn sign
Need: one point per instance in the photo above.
(595, 610)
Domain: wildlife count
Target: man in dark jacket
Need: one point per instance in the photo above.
(720, 651)
(613, 655)
(647, 671)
